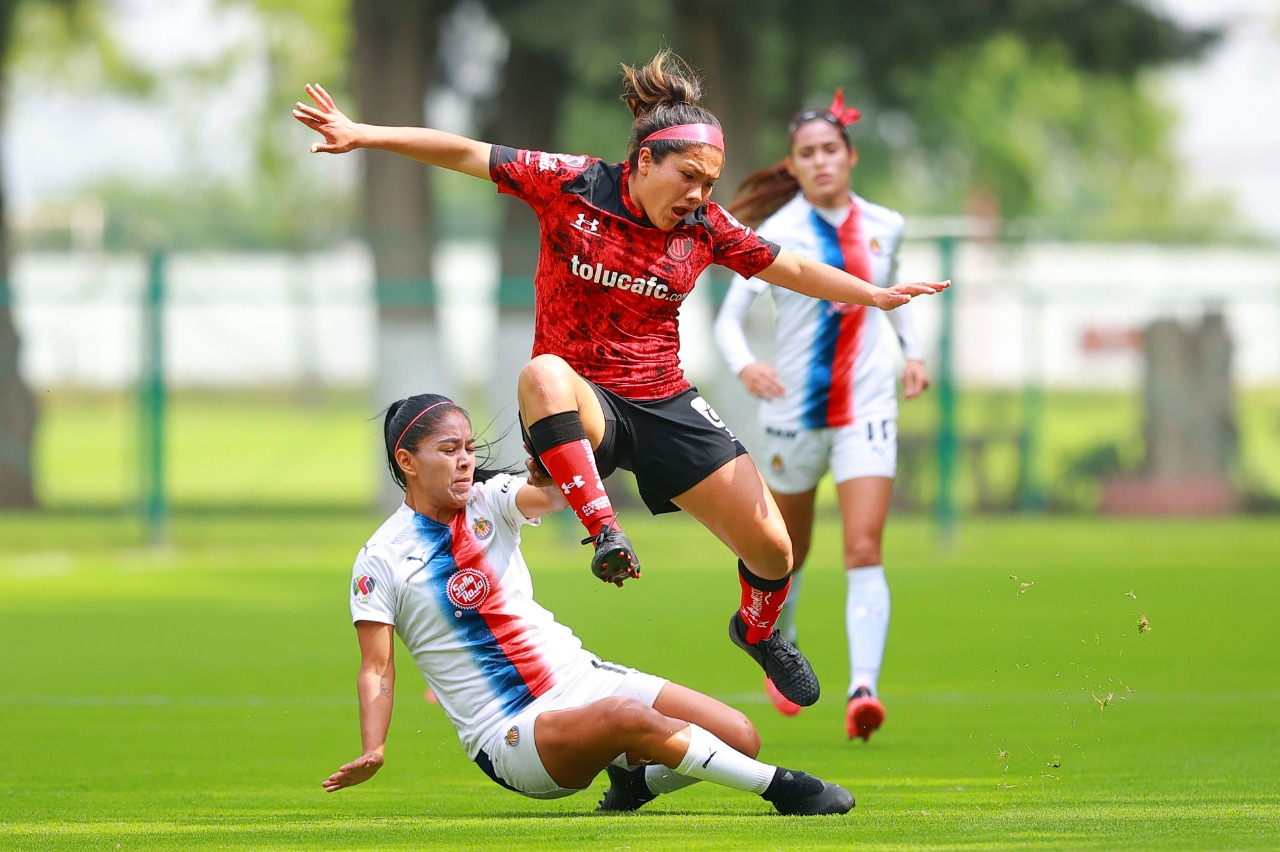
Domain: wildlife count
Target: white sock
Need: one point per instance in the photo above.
(663, 779)
(787, 618)
(866, 621)
(710, 759)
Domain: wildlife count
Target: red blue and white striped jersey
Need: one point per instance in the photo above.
(830, 357)
(461, 600)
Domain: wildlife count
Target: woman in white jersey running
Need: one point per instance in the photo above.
(829, 398)
(538, 714)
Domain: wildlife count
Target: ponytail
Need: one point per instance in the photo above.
(762, 194)
(664, 93)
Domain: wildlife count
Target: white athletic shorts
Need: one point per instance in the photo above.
(510, 755)
(793, 461)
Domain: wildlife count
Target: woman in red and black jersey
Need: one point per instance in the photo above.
(622, 245)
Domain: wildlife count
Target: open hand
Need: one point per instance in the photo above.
(900, 294)
(915, 379)
(761, 381)
(356, 772)
(340, 133)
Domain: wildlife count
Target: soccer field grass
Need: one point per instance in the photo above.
(195, 696)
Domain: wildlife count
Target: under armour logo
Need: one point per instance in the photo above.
(583, 225)
(577, 482)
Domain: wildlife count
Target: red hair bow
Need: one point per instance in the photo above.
(842, 114)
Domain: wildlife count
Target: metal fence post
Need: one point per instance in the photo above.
(151, 406)
(947, 441)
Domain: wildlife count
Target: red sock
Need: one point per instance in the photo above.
(761, 602)
(573, 467)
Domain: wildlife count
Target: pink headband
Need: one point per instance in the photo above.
(708, 134)
(415, 420)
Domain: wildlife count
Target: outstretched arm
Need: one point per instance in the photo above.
(821, 281)
(375, 683)
(433, 147)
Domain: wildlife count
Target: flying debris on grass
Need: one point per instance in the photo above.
(1022, 587)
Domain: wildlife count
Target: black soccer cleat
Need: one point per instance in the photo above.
(795, 793)
(782, 663)
(614, 560)
(627, 790)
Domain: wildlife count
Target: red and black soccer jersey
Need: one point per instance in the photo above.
(609, 284)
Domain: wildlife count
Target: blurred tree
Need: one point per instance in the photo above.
(1037, 106)
(34, 32)
(289, 206)
(1033, 107)
(17, 409)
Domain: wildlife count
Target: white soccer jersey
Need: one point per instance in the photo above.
(461, 599)
(829, 356)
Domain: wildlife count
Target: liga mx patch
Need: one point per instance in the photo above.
(876, 248)
(777, 463)
(483, 528)
(513, 736)
(467, 589)
(362, 587)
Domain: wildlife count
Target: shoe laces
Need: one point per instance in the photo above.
(600, 537)
(779, 647)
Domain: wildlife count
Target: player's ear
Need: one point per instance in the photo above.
(644, 161)
(790, 165)
(853, 156)
(408, 463)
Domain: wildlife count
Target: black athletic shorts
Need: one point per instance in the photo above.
(670, 444)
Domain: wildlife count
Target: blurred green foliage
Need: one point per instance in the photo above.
(1042, 112)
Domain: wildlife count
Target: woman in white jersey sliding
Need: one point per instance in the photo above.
(829, 398)
(538, 714)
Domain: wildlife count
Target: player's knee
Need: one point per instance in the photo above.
(861, 551)
(631, 718)
(742, 735)
(545, 386)
(542, 369)
(771, 555)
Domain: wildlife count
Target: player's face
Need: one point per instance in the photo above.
(820, 162)
(672, 189)
(446, 461)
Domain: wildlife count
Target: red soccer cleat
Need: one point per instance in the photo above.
(864, 714)
(781, 703)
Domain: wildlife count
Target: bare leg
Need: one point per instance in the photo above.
(734, 504)
(732, 726)
(575, 745)
(864, 507)
(548, 385)
(797, 514)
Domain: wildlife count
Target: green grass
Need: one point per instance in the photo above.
(222, 448)
(270, 448)
(194, 696)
